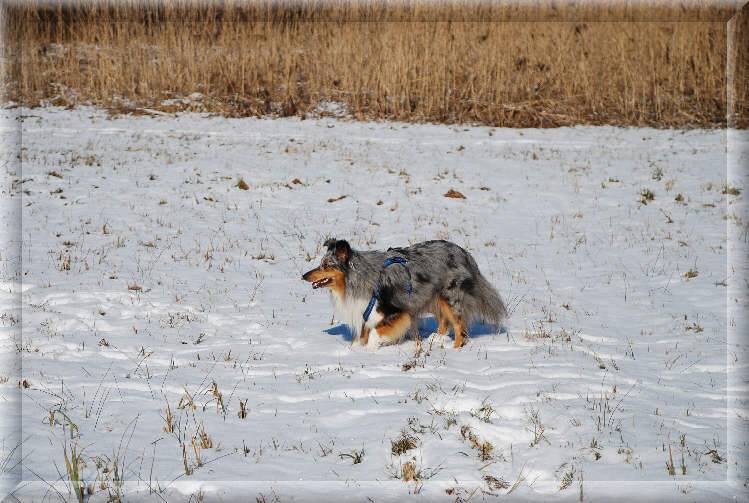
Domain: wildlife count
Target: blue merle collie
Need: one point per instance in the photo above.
(380, 295)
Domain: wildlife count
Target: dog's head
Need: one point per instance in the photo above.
(330, 272)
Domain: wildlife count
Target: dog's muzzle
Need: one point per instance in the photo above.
(316, 284)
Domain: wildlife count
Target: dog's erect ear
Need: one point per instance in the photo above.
(329, 243)
(342, 250)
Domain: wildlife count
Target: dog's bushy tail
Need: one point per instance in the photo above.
(486, 304)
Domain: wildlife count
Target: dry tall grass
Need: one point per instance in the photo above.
(738, 69)
(530, 65)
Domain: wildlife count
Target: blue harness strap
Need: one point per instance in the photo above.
(394, 260)
(370, 306)
(376, 294)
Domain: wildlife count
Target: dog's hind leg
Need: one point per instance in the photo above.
(460, 329)
(442, 321)
(443, 326)
(392, 328)
(459, 326)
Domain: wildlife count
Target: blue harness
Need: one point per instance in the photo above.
(376, 295)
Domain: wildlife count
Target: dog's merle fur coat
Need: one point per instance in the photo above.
(438, 277)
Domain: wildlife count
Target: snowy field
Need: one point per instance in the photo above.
(169, 339)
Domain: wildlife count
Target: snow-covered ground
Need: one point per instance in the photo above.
(158, 295)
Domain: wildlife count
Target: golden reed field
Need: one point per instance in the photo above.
(521, 64)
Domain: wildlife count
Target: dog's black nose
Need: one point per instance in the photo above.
(307, 274)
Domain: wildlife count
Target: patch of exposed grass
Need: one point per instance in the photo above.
(485, 412)
(356, 456)
(454, 194)
(483, 447)
(731, 191)
(691, 273)
(409, 471)
(403, 444)
(496, 483)
(646, 196)
(535, 427)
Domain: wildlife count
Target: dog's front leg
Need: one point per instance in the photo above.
(364, 335)
(391, 330)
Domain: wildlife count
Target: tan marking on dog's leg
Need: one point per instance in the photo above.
(393, 328)
(364, 336)
(456, 321)
(442, 327)
(460, 330)
(441, 319)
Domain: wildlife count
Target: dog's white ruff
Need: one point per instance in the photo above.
(349, 311)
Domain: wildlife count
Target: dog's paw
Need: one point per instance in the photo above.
(374, 341)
